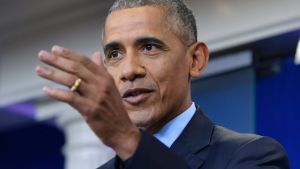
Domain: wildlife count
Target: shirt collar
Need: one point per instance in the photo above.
(172, 130)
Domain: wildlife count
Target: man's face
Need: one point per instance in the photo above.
(149, 65)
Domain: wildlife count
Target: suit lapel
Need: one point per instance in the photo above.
(195, 137)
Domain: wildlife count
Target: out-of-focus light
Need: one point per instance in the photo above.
(297, 57)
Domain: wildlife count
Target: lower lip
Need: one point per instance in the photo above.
(137, 99)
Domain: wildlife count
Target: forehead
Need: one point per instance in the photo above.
(134, 22)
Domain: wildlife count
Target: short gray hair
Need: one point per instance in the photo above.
(180, 17)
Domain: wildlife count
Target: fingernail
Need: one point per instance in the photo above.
(46, 89)
(44, 55)
(57, 49)
(39, 70)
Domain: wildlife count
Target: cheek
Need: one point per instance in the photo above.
(160, 71)
(170, 67)
(168, 73)
(114, 73)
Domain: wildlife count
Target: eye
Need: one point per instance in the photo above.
(149, 47)
(114, 54)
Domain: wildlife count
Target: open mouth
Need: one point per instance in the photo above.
(137, 95)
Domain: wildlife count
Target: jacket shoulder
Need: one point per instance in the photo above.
(231, 138)
(247, 150)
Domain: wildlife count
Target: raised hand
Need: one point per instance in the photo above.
(95, 96)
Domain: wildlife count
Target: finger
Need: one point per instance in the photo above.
(61, 94)
(71, 98)
(63, 78)
(70, 55)
(66, 65)
(97, 58)
(56, 76)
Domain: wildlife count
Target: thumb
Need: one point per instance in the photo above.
(97, 58)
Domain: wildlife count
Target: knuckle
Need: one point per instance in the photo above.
(53, 58)
(69, 81)
(87, 110)
(50, 73)
(100, 100)
(71, 100)
(84, 60)
(106, 88)
(91, 110)
(75, 67)
(97, 98)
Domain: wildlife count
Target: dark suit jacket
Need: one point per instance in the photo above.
(203, 145)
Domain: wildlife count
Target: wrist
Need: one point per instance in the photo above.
(127, 143)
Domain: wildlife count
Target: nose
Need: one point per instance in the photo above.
(133, 69)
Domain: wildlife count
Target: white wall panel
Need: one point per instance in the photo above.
(226, 23)
(19, 55)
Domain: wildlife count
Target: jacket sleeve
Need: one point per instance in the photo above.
(259, 153)
(151, 153)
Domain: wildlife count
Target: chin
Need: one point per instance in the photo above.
(142, 119)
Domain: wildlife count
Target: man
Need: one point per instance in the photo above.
(138, 99)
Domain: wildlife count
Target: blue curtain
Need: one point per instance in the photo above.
(228, 99)
(278, 108)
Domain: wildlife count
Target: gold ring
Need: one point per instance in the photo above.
(76, 85)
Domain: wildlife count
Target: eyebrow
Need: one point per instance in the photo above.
(143, 40)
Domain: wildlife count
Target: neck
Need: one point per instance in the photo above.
(169, 116)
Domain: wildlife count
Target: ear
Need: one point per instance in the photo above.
(199, 58)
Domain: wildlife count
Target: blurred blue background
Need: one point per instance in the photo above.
(268, 106)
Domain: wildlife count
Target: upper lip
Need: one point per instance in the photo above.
(136, 91)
